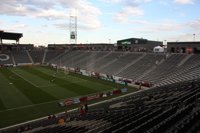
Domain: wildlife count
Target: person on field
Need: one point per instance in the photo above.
(82, 111)
(86, 108)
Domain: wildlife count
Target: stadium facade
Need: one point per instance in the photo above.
(183, 47)
(137, 44)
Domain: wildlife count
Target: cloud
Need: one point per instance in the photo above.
(169, 27)
(136, 2)
(111, 1)
(13, 27)
(160, 27)
(195, 24)
(51, 14)
(140, 22)
(164, 30)
(55, 10)
(130, 8)
(126, 12)
(2, 22)
(44, 4)
(182, 37)
(127, 2)
(83, 26)
(9, 9)
(184, 1)
(87, 14)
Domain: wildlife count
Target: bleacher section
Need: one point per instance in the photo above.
(86, 60)
(50, 54)
(123, 60)
(174, 73)
(20, 57)
(141, 66)
(165, 69)
(103, 61)
(70, 58)
(37, 55)
(91, 63)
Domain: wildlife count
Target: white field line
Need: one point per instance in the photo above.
(25, 79)
(104, 101)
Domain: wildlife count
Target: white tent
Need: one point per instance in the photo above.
(158, 49)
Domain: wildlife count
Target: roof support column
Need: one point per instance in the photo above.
(17, 41)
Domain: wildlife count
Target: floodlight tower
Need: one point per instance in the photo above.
(73, 29)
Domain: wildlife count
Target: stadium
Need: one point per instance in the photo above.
(138, 85)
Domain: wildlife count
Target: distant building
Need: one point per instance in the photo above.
(137, 45)
(183, 47)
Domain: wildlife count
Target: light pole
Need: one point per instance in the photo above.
(194, 37)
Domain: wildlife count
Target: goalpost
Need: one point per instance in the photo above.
(66, 71)
(59, 73)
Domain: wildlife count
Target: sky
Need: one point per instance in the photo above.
(45, 22)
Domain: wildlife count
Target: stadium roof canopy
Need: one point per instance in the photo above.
(10, 36)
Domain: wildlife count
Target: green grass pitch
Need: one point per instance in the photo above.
(31, 92)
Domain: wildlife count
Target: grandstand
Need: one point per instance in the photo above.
(169, 104)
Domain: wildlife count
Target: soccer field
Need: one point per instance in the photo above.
(31, 92)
